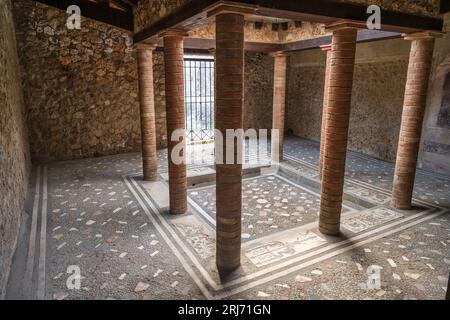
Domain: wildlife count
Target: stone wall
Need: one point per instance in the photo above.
(14, 154)
(377, 98)
(435, 150)
(419, 7)
(160, 99)
(258, 86)
(81, 90)
(80, 86)
(304, 93)
(150, 11)
(265, 34)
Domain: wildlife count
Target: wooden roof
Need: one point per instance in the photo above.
(118, 13)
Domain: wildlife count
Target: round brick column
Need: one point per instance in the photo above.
(279, 101)
(229, 115)
(327, 49)
(337, 123)
(147, 108)
(420, 60)
(175, 116)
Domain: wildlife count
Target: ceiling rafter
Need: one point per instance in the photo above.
(114, 12)
(322, 11)
(444, 6)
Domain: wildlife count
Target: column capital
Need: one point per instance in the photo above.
(423, 35)
(174, 32)
(278, 54)
(325, 47)
(145, 46)
(345, 24)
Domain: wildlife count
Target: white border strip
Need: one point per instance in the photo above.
(158, 227)
(28, 277)
(43, 240)
(367, 185)
(322, 258)
(289, 262)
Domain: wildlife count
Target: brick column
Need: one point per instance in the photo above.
(420, 60)
(147, 108)
(175, 118)
(279, 101)
(337, 123)
(229, 115)
(327, 49)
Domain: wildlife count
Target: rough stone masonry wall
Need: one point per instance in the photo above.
(258, 95)
(14, 154)
(150, 11)
(81, 90)
(377, 98)
(80, 86)
(419, 7)
(435, 149)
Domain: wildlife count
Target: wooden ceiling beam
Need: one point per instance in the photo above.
(329, 11)
(363, 36)
(132, 3)
(207, 44)
(301, 45)
(186, 15)
(322, 11)
(97, 11)
(122, 4)
(444, 6)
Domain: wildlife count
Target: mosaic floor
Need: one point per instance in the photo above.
(98, 216)
(270, 204)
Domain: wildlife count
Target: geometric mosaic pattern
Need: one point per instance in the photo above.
(99, 217)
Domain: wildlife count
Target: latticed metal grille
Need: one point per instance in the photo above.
(199, 98)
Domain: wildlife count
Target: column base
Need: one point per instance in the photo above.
(150, 178)
(399, 206)
(177, 212)
(227, 269)
(330, 231)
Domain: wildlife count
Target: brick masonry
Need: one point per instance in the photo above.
(229, 115)
(147, 111)
(14, 150)
(327, 50)
(337, 122)
(175, 118)
(412, 118)
(279, 101)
